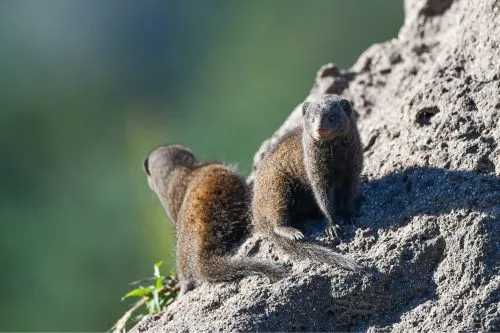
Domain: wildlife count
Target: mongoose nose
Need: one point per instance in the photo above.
(321, 131)
(145, 166)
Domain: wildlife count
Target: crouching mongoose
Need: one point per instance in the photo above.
(209, 206)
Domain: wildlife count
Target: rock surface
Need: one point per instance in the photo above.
(428, 105)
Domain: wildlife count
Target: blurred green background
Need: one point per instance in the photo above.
(89, 87)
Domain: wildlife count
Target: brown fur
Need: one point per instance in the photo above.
(312, 172)
(208, 204)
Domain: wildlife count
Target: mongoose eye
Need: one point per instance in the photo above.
(346, 106)
(145, 166)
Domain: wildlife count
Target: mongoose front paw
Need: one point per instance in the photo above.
(290, 233)
(332, 230)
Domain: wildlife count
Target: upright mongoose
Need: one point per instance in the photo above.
(312, 171)
(209, 205)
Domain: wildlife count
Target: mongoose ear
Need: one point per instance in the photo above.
(346, 106)
(305, 105)
(145, 166)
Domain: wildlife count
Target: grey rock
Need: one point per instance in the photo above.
(428, 106)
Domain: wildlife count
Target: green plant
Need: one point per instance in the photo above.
(161, 292)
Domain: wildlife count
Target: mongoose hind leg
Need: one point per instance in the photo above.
(184, 259)
(271, 208)
(185, 286)
(289, 232)
(186, 280)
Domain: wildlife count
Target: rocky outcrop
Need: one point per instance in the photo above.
(428, 105)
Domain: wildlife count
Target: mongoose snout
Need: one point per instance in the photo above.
(324, 121)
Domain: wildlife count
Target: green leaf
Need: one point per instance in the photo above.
(169, 301)
(151, 307)
(159, 282)
(157, 268)
(138, 292)
(156, 300)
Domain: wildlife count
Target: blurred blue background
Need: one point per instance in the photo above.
(89, 87)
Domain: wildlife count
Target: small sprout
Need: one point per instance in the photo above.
(157, 268)
(139, 292)
(161, 292)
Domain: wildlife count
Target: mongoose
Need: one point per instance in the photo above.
(312, 171)
(330, 79)
(209, 206)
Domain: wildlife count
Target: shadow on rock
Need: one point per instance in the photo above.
(401, 225)
(394, 199)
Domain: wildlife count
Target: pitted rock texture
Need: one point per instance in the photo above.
(428, 106)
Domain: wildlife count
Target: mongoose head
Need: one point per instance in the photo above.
(166, 168)
(326, 117)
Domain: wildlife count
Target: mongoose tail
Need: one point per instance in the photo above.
(216, 269)
(314, 252)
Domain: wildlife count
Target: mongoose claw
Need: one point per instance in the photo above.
(298, 236)
(290, 233)
(332, 230)
(351, 220)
